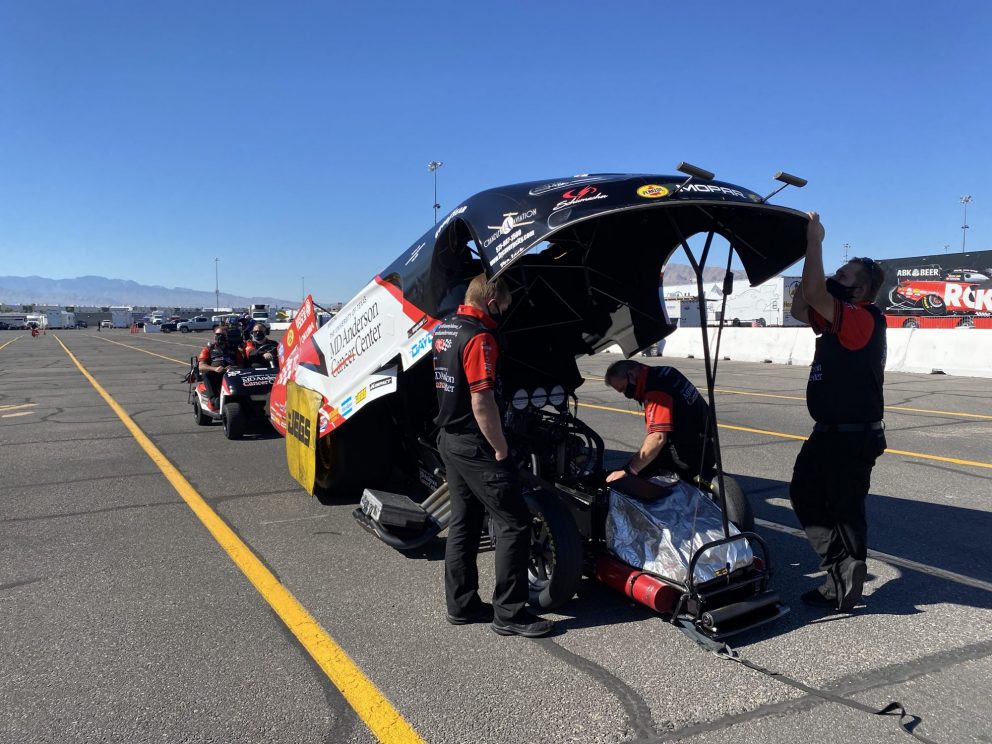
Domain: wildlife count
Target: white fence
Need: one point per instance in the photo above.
(966, 352)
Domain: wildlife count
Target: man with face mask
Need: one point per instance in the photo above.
(832, 473)
(215, 358)
(260, 349)
(482, 476)
(676, 418)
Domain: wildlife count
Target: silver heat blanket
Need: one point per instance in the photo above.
(661, 536)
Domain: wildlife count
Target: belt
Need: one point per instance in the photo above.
(873, 426)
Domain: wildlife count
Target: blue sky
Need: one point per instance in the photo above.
(139, 140)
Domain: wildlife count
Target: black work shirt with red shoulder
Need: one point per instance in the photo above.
(465, 358)
(673, 405)
(212, 354)
(845, 379)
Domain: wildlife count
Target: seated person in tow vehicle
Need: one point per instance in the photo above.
(260, 349)
(215, 359)
(676, 417)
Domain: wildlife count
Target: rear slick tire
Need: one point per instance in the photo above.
(556, 552)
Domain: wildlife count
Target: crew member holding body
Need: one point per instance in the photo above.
(214, 360)
(481, 476)
(676, 417)
(832, 473)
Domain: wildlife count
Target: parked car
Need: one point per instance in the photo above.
(168, 326)
(82, 324)
(4, 326)
(199, 323)
(105, 324)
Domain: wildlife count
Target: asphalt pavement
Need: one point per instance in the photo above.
(123, 619)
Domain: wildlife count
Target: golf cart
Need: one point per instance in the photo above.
(582, 257)
(244, 392)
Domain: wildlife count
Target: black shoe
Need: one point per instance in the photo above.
(851, 585)
(815, 598)
(524, 624)
(480, 613)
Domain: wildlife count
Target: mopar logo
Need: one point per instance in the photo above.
(298, 427)
(420, 346)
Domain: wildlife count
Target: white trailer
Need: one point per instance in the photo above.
(121, 316)
(768, 304)
(59, 319)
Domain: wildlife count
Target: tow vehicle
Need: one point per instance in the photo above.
(582, 257)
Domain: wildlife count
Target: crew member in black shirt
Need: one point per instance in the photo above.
(481, 475)
(832, 473)
(676, 417)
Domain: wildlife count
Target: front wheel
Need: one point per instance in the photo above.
(933, 304)
(234, 420)
(556, 553)
(184, 329)
(911, 323)
(738, 507)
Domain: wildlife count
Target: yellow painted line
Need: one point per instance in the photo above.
(9, 343)
(766, 432)
(21, 405)
(383, 720)
(887, 408)
(15, 415)
(143, 351)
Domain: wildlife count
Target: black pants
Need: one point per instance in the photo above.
(212, 381)
(830, 481)
(476, 484)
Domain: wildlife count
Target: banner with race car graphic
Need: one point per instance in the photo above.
(955, 288)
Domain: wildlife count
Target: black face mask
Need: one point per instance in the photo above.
(220, 340)
(630, 390)
(258, 336)
(838, 290)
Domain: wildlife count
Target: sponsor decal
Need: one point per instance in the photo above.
(420, 346)
(581, 178)
(709, 188)
(414, 254)
(653, 191)
(360, 395)
(428, 479)
(346, 406)
(356, 333)
(578, 196)
(381, 383)
(511, 221)
(793, 288)
(290, 337)
(446, 220)
(298, 427)
(416, 326)
(255, 380)
(442, 344)
(443, 380)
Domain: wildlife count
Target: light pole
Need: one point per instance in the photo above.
(846, 247)
(432, 167)
(965, 200)
(216, 285)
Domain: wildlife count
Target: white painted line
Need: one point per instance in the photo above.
(15, 415)
(893, 559)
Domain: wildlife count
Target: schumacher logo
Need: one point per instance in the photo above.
(298, 427)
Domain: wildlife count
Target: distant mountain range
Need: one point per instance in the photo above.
(98, 291)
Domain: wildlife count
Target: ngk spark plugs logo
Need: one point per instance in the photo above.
(578, 196)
